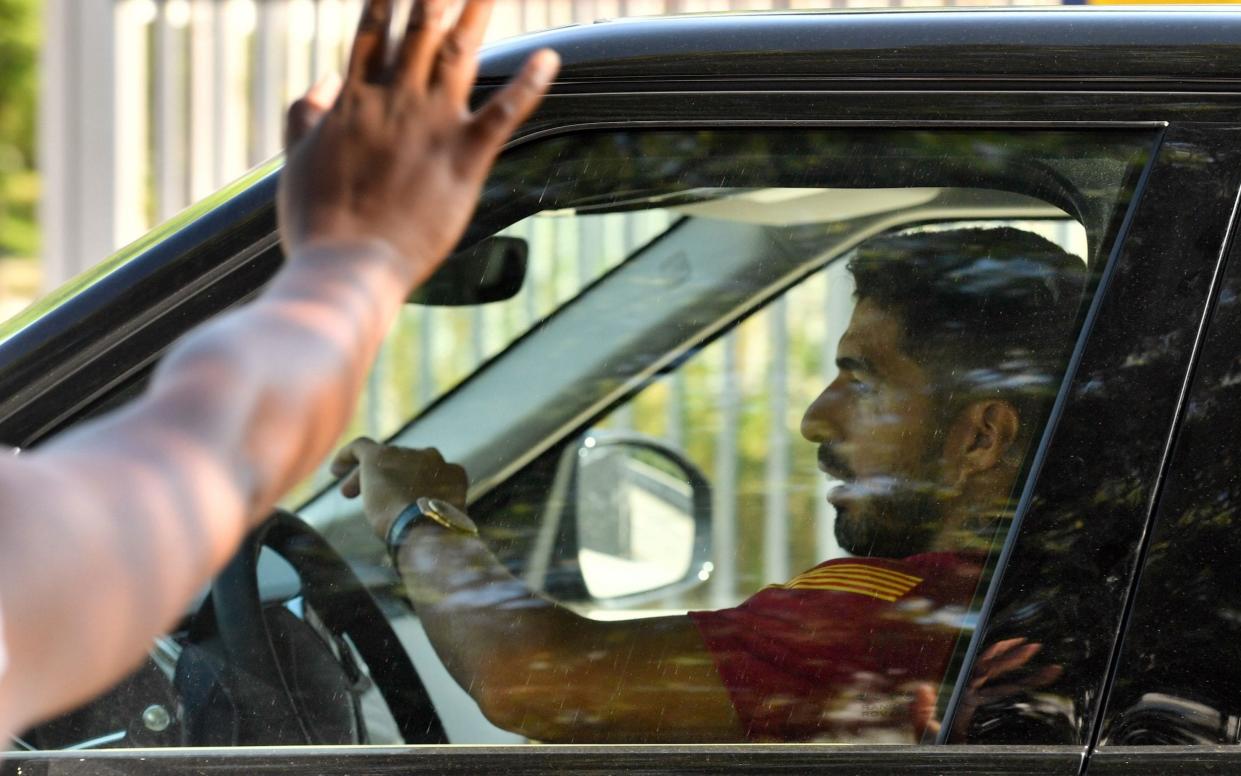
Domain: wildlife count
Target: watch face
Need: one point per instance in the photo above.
(448, 515)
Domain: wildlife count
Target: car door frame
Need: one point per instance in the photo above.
(229, 250)
(1211, 367)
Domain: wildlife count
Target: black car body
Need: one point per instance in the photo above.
(1122, 560)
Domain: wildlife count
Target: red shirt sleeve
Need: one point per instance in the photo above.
(834, 653)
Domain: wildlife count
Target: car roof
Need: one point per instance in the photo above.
(1162, 48)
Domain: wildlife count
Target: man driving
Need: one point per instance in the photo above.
(947, 370)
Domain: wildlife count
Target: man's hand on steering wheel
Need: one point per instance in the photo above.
(390, 478)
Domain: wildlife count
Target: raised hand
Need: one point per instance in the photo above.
(400, 157)
(1005, 660)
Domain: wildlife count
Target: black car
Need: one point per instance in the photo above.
(649, 293)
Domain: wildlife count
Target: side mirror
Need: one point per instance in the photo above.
(640, 519)
(490, 271)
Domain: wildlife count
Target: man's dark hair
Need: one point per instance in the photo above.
(988, 311)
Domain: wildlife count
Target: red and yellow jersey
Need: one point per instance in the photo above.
(834, 654)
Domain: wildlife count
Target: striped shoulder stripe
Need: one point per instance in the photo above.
(881, 583)
(849, 588)
(876, 569)
(846, 579)
(899, 584)
(858, 569)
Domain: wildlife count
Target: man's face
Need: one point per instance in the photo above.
(876, 426)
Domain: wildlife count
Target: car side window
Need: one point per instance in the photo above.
(1178, 681)
(733, 436)
(782, 488)
(739, 410)
(432, 348)
(744, 444)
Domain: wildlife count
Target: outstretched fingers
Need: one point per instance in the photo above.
(367, 60)
(421, 44)
(401, 157)
(309, 110)
(507, 109)
(457, 61)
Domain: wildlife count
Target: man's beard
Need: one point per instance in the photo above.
(896, 524)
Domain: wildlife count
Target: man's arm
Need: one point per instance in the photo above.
(107, 532)
(533, 666)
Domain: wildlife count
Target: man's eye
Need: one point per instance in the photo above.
(860, 386)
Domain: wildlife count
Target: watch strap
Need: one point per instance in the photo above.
(400, 528)
(435, 510)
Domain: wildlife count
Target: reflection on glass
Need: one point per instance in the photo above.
(432, 349)
(837, 349)
(953, 347)
(1179, 680)
(861, 367)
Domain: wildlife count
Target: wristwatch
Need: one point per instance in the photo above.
(434, 509)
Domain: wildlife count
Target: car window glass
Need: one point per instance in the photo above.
(431, 349)
(663, 376)
(734, 410)
(746, 424)
(744, 447)
(1177, 681)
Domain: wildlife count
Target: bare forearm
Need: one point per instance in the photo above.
(86, 581)
(113, 526)
(294, 361)
(538, 669)
(483, 621)
(123, 519)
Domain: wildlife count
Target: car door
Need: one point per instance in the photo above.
(1060, 579)
(1172, 706)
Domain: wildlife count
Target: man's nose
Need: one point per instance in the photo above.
(819, 424)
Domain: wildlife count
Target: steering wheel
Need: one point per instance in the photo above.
(262, 675)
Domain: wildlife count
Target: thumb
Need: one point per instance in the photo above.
(310, 109)
(508, 108)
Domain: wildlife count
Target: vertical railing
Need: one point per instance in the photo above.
(169, 111)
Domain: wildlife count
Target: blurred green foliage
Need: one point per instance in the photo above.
(18, 56)
(19, 37)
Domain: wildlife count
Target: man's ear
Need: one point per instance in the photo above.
(980, 437)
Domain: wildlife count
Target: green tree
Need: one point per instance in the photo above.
(18, 52)
(19, 35)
